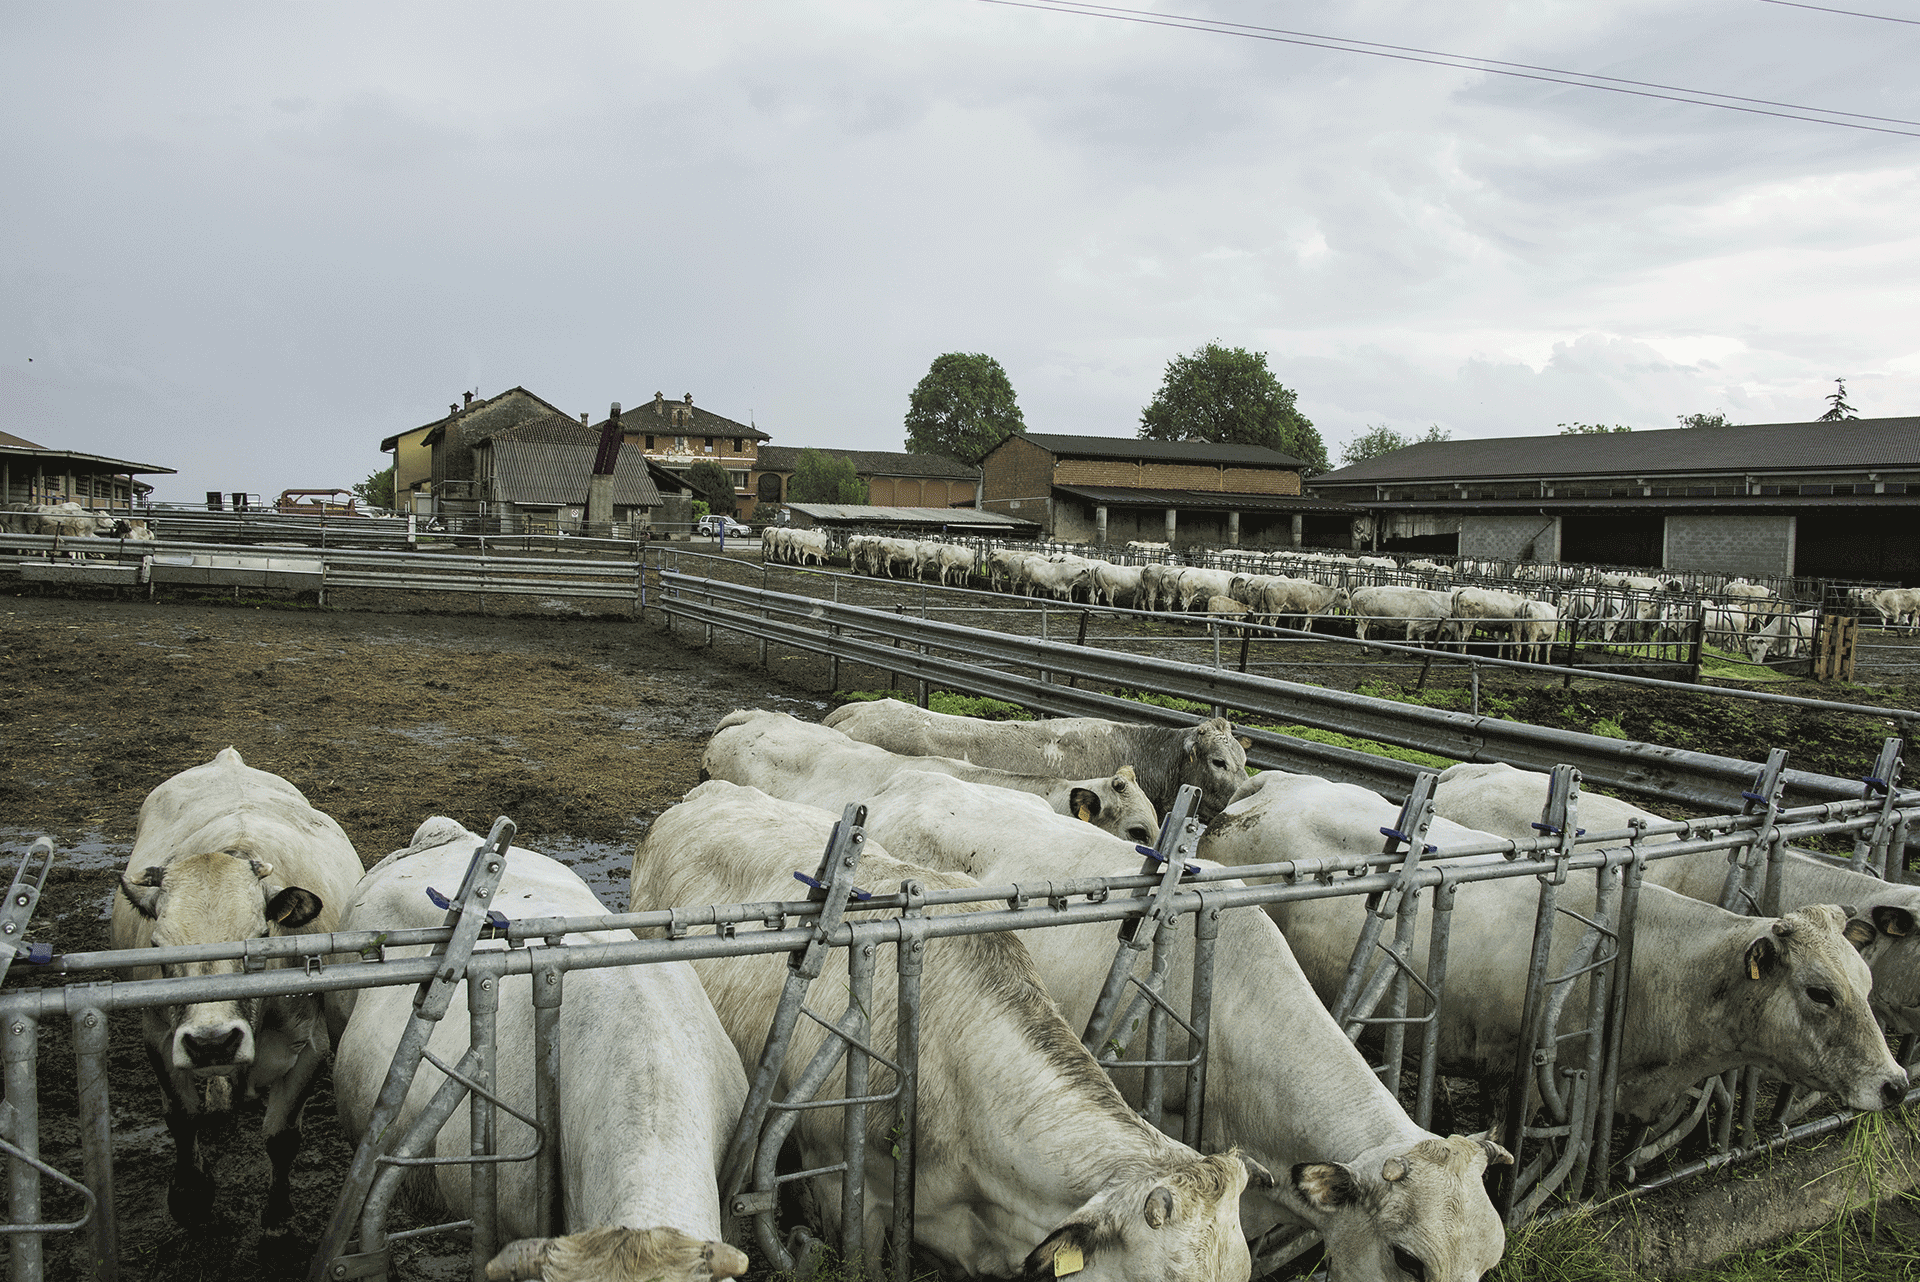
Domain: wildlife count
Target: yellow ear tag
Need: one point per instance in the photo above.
(1753, 969)
(1068, 1260)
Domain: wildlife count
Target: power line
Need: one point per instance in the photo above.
(1464, 62)
(1851, 13)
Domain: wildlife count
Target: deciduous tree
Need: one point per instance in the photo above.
(1228, 395)
(1592, 429)
(1380, 439)
(712, 484)
(1716, 419)
(963, 407)
(820, 477)
(376, 490)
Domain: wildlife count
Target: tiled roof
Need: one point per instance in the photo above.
(1762, 447)
(643, 418)
(485, 417)
(11, 441)
(785, 458)
(1212, 500)
(538, 472)
(1133, 448)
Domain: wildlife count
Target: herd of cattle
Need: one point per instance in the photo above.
(1414, 601)
(69, 519)
(1031, 1159)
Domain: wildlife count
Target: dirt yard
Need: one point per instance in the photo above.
(582, 730)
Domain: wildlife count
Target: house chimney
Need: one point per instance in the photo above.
(452, 410)
(583, 418)
(469, 396)
(688, 398)
(659, 405)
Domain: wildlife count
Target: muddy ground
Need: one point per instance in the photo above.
(581, 728)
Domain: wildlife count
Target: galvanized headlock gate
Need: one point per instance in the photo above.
(1571, 1147)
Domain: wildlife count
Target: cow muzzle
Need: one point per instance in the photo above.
(213, 1047)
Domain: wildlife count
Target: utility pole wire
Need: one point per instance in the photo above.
(1458, 62)
(1851, 13)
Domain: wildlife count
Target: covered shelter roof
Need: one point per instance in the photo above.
(961, 518)
(539, 473)
(1136, 449)
(785, 458)
(1847, 445)
(1210, 500)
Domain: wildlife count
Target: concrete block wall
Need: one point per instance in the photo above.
(1507, 536)
(1730, 543)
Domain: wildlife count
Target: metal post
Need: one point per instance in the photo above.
(1206, 938)
(548, 988)
(853, 1180)
(483, 1005)
(909, 959)
(1631, 876)
(1439, 938)
(21, 1038)
(96, 1126)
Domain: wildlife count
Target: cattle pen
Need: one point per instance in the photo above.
(1810, 807)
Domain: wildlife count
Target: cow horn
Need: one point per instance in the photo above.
(1393, 1170)
(521, 1261)
(1496, 1156)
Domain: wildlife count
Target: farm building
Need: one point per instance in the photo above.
(1111, 489)
(434, 463)
(541, 470)
(1827, 499)
(32, 473)
(893, 480)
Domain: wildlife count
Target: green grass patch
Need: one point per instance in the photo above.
(1608, 728)
(1723, 666)
(1369, 746)
(951, 702)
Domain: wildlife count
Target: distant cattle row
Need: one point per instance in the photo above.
(69, 519)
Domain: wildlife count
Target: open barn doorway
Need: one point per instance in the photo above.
(1613, 538)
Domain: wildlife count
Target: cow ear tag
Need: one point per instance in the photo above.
(1068, 1259)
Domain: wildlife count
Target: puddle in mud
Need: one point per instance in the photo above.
(605, 866)
(91, 852)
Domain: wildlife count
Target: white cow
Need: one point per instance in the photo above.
(1485, 606)
(1539, 625)
(1029, 1161)
(1198, 585)
(1791, 635)
(1495, 797)
(1283, 1082)
(818, 766)
(1206, 755)
(225, 852)
(1159, 581)
(1896, 604)
(649, 1085)
(1709, 990)
(1116, 581)
(1419, 613)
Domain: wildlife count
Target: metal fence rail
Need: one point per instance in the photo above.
(1575, 1156)
(992, 664)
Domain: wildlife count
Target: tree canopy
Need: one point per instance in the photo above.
(962, 408)
(376, 490)
(712, 485)
(1227, 395)
(1592, 429)
(820, 477)
(1716, 419)
(1838, 411)
(1380, 439)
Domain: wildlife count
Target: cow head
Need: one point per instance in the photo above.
(1178, 1223)
(1215, 762)
(1400, 1214)
(1894, 957)
(205, 899)
(1806, 987)
(1118, 806)
(617, 1255)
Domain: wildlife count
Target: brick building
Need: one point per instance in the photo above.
(1818, 500)
(674, 435)
(1109, 490)
(893, 480)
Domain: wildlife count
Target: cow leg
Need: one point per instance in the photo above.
(191, 1191)
(285, 1100)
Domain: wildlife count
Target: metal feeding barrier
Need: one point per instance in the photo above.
(1067, 681)
(1564, 1148)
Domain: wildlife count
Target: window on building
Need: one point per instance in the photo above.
(736, 445)
(680, 445)
(649, 442)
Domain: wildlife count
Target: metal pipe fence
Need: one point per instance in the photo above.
(992, 664)
(1574, 1160)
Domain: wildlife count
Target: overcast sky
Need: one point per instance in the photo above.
(248, 241)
